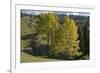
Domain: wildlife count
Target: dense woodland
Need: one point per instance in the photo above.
(55, 36)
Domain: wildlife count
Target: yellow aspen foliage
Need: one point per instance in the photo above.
(72, 42)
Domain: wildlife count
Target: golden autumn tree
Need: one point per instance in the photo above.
(62, 38)
(59, 43)
(46, 25)
(66, 41)
(71, 33)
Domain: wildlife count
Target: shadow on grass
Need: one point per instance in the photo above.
(44, 53)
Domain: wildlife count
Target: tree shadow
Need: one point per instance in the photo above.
(40, 50)
(29, 36)
(43, 51)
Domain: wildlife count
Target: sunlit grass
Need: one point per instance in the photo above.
(27, 58)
